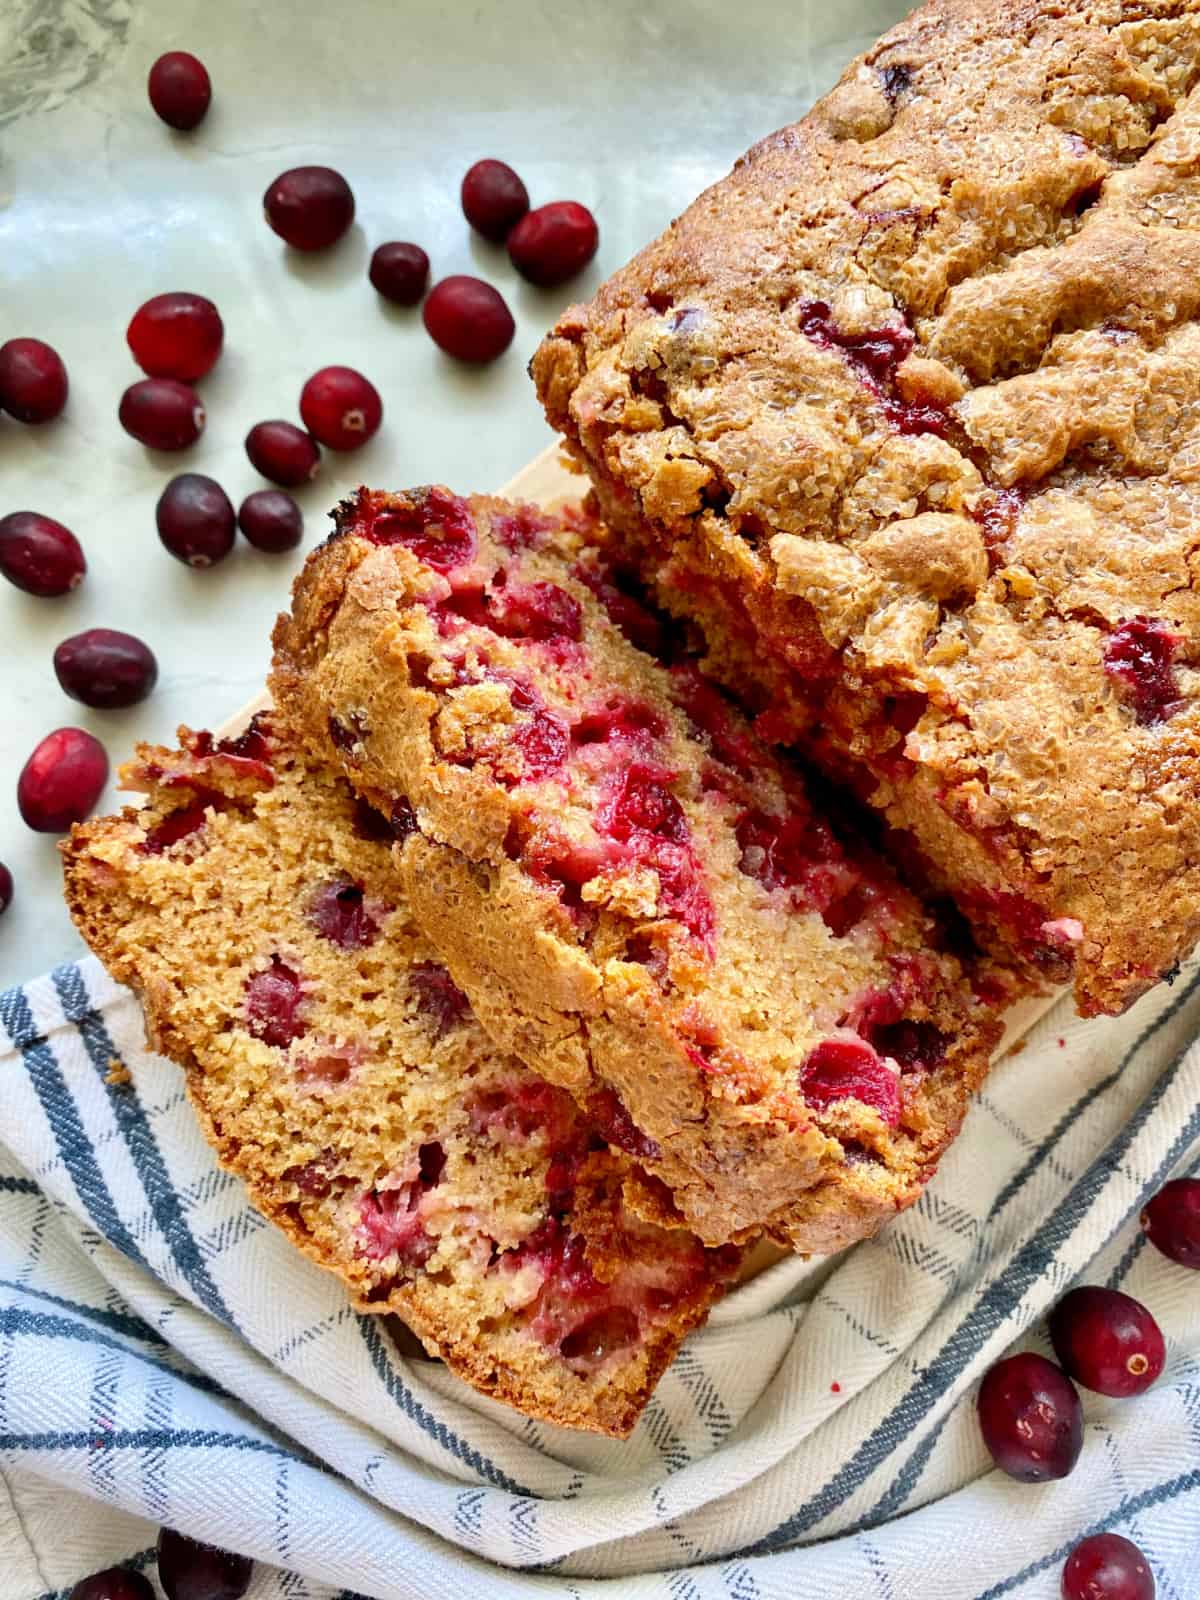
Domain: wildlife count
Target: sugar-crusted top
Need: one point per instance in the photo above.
(924, 368)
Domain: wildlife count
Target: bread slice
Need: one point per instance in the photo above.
(641, 900)
(336, 1068)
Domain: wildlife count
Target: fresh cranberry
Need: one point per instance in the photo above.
(1139, 655)
(438, 996)
(437, 527)
(1031, 1418)
(189, 1570)
(271, 520)
(114, 1583)
(39, 555)
(400, 272)
(493, 199)
(553, 243)
(6, 888)
(1107, 1567)
(273, 1004)
(340, 408)
(309, 207)
(850, 1069)
(180, 90)
(338, 912)
(62, 780)
(195, 519)
(284, 453)
(162, 413)
(1107, 1341)
(1171, 1221)
(176, 335)
(105, 669)
(33, 380)
(468, 319)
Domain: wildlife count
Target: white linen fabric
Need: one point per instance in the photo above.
(166, 1357)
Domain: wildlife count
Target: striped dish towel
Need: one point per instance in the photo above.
(166, 1357)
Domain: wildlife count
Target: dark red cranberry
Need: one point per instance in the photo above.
(271, 520)
(174, 826)
(33, 380)
(6, 888)
(626, 612)
(341, 408)
(39, 555)
(309, 207)
(493, 199)
(1107, 1567)
(1107, 1341)
(273, 1004)
(850, 1069)
(189, 1570)
(162, 413)
(180, 90)
(195, 519)
(553, 243)
(468, 319)
(1139, 655)
(114, 1583)
(600, 1336)
(105, 669)
(615, 1126)
(544, 743)
(62, 780)
(438, 996)
(400, 272)
(338, 912)
(176, 335)
(284, 453)
(1171, 1221)
(641, 802)
(437, 527)
(540, 611)
(1031, 1418)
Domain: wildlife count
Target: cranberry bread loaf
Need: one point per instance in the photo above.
(906, 413)
(336, 1068)
(639, 899)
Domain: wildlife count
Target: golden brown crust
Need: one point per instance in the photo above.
(907, 408)
(388, 1076)
(676, 970)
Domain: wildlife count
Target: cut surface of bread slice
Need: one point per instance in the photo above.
(641, 900)
(253, 903)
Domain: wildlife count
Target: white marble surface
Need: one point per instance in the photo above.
(628, 105)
